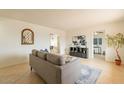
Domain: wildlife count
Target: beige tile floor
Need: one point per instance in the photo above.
(21, 74)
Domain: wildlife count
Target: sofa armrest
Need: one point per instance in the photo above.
(71, 63)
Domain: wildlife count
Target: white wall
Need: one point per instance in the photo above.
(110, 29)
(11, 50)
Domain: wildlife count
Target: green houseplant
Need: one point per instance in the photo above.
(116, 41)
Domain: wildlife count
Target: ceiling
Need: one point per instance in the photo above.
(65, 19)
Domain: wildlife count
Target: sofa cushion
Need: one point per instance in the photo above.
(55, 59)
(34, 52)
(42, 55)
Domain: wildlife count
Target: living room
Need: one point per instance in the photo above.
(66, 24)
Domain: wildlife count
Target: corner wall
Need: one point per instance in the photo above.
(11, 50)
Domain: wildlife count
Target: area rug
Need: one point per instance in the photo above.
(89, 75)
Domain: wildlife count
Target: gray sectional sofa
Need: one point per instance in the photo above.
(55, 69)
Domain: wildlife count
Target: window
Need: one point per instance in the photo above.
(97, 41)
(100, 41)
(53, 40)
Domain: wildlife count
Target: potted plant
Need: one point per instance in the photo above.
(116, 41)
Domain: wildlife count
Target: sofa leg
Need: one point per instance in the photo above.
(31, 68)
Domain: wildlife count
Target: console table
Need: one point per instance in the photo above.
(79, 52)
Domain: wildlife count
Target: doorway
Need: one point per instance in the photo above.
(54, 43)
(99, 45)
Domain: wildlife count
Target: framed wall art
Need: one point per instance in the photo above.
(27, 37)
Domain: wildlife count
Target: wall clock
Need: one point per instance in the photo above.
(27, 37)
